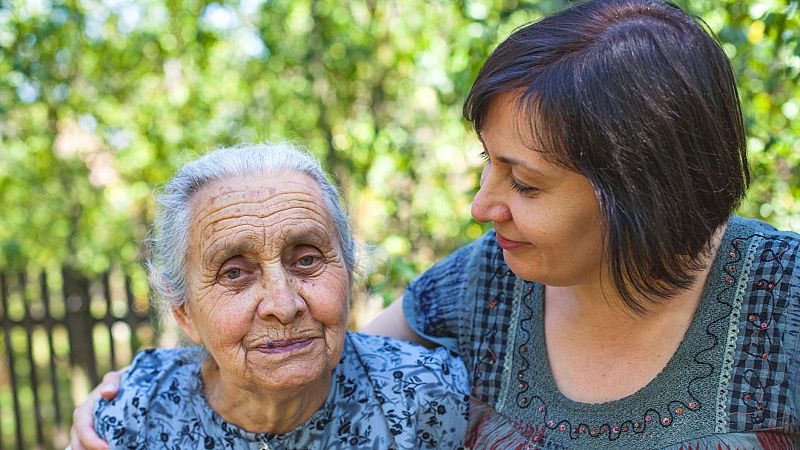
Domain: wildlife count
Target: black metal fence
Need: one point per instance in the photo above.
(60, 332)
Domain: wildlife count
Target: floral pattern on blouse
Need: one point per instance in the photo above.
(385, 394)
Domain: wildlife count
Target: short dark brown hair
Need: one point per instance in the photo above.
(640, 99)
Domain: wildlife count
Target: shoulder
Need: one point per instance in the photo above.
(465, 259)
(774, 258)
(434, 304)
(786, 243)
(772, 254)
(385, 357)
(155, 370)
(157, 381)
(423, 392)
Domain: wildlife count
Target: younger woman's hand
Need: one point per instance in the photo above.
(82, 434)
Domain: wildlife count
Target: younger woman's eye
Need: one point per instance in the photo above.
(521, 188)
(485, 156)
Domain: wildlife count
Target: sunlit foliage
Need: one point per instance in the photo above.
(100, 101)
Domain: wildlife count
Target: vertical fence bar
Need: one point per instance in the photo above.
(34, 378)
(10, 353)
(79, 323)
(49, 331)
(130, 316)
(109, 319)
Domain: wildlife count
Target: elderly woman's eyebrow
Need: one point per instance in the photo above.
(311, 233)
(230, 246)
(251, 241)
(303, 231)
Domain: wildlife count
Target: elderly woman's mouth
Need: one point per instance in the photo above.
(283, 346)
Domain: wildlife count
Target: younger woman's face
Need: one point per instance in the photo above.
(546, 216)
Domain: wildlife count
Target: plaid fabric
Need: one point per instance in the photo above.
(766, 349)
(464, 303)
(491, 309)
(433, 301)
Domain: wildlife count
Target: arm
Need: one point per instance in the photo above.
(82, 434)
(392, 322)
(431, 311)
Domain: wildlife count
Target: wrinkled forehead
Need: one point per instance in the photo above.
(266, 205)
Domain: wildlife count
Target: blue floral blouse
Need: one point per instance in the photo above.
(385, 394)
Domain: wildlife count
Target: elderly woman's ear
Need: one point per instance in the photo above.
(186, 323)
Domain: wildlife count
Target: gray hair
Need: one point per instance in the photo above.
(167, 262)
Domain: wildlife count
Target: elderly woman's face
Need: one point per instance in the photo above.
(268, 288)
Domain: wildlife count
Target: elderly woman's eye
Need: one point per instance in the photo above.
(232, 274)
(306, 261)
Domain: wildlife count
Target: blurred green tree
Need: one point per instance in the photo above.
(100, 101)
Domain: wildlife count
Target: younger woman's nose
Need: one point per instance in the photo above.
(490, 203)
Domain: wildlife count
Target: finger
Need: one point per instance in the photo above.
(74, 443)
(110, 385)
(83, 435)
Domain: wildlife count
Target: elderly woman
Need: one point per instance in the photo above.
(252, 253)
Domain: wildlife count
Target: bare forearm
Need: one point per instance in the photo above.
(392, 322)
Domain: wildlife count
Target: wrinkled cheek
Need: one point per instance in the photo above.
(332, 316)
(335, 350)
(328, 306)
(335, 324)
(233, 318)
(224, 342)
(242, 363)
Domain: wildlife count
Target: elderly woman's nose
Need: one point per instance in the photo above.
(281, 301)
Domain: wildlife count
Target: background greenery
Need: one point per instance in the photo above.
(100, 101)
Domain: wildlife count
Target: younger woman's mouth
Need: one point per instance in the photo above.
(508, 244)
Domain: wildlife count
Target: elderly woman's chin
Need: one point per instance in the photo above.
(281, 365)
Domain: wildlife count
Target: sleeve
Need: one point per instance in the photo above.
(434, 303)
(118, 421)
(123, 421)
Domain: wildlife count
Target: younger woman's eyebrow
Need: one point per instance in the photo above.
(519, 162)
(514, 162)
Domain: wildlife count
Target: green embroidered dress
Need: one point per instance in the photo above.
(733, 383)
